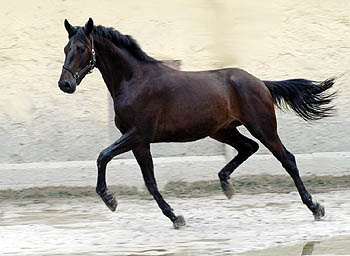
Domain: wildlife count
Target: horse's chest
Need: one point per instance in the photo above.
(123, 119)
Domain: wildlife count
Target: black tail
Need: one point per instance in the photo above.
(308, 99)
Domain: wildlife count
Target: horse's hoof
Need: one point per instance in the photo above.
(320, 212)
(112, 204)
(109, 201)
(227, 188)
(179, 222)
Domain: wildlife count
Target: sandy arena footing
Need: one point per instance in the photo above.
(215, 226)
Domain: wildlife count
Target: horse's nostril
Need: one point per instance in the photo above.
(67, 85)
(64, 85)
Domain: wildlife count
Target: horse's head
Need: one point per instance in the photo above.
(80, 56)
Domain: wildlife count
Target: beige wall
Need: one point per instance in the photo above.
(270, 39)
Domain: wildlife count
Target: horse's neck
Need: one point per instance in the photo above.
(114, 66)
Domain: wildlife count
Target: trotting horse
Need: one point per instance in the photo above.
(155, 103)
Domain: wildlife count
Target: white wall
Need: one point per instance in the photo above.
(271, 39)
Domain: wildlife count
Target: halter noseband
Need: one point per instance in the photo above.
(88, 68)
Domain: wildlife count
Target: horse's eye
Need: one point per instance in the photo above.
(66, 49)
(81, 49)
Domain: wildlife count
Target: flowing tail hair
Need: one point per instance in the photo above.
(307, 98)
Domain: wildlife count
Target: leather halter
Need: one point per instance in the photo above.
(88, 68)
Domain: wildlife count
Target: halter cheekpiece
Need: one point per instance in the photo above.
(88, 68)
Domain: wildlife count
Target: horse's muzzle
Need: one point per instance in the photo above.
(67, 87)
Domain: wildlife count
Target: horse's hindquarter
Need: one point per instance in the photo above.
(252, 99)
(194, 105)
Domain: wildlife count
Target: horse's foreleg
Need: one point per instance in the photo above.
(125, 143)
(245, 147)
(143, 156)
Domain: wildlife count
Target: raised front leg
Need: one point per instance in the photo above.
(143, 156)
(125, 143)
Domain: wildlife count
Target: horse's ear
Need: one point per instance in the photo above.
(89, 26)
(70, 29)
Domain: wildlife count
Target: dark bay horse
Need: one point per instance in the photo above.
(155, 103)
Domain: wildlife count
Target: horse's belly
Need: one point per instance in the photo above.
(183, 130)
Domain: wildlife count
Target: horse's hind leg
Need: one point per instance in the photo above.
(266, 132)
(143, 156)
(245, 147)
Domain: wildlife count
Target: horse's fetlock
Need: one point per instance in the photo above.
(223, 176)
(307, 200)
(166, 210)
(101, 191)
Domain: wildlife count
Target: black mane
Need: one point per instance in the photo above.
(122, 41)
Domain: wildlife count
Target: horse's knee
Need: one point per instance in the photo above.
(102, 158)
